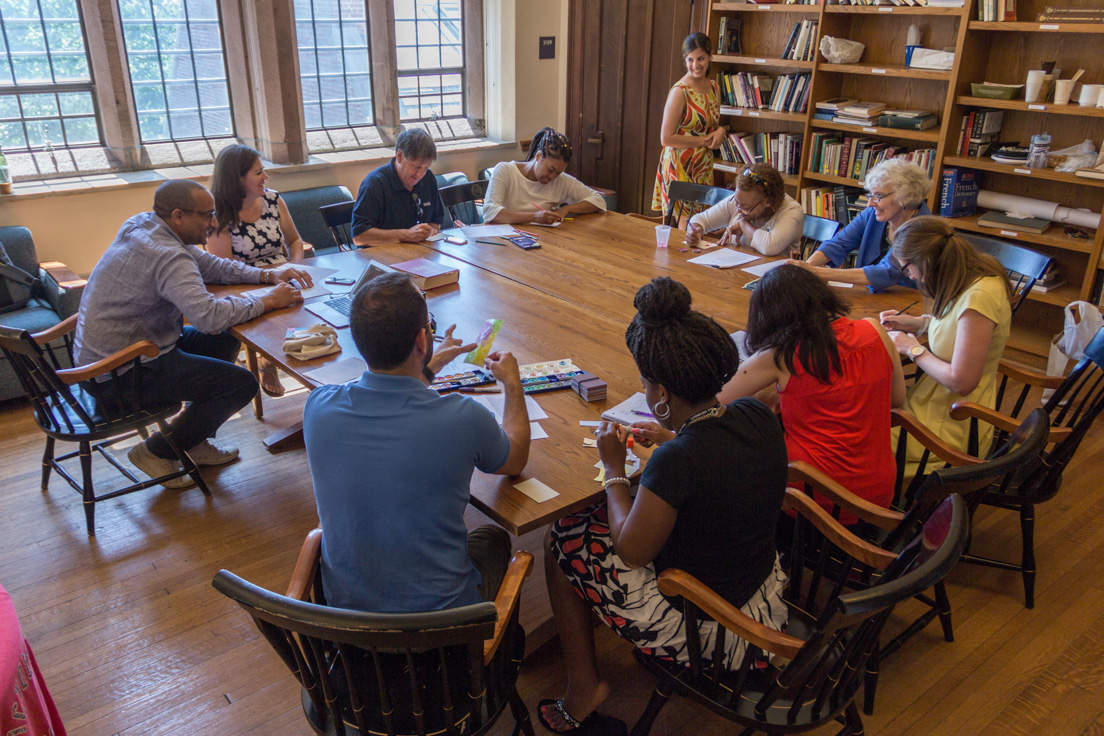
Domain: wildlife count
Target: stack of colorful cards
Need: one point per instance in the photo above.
(589, 386)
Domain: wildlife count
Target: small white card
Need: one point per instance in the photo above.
(536, 490)
(536, 431)
(761, 268)
(840, 284)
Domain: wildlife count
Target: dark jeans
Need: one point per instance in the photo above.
(200, 371)
(489, 551)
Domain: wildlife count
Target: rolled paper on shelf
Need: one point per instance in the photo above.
(1038, 208)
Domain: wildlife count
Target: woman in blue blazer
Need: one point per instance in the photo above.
(897, 191)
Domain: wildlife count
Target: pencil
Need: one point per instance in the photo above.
(492, 242)
(902, 311)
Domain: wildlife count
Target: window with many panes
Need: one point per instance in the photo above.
(46, 93)
(334, 63)
(177, 69)
(429, 45)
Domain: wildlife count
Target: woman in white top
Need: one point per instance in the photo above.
(536, 189)
(759, 214)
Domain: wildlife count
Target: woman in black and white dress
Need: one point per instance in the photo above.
(254, 225)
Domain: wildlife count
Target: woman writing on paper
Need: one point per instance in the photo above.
(537, 189)
(759, 214)
(708, 503)
(254, 225)
(967, 329)
(691, 124)
(897, 190)
(837, 380)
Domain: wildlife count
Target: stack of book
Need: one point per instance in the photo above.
(997, 10)
(859, 113)
(826, 109)
(791, 93)
(1016, 223)
(802, 44)
(908, 119)
(980, 130)
(729, 36)
(1049, 281)
(780, 150)
(746, 89)
(1068, 14)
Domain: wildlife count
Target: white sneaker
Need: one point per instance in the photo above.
(153, 466)
(208, 453)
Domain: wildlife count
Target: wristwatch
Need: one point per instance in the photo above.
(916, 351)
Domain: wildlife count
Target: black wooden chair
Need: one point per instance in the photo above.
(69, 405)
(818, 663)
(686, 200)
(961, 475)
(339, 219)
(304, 206)
(1024, 266)
(1076, 403)
(463, 201)
(452, 671)
(814, 231)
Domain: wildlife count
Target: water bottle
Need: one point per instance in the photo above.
(1039, 152)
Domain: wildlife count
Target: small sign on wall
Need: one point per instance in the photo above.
(547, 47)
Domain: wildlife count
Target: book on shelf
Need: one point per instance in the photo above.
(863, 109)
(729, 41)
(746, 89)
(801, 45)
(780, 150)
(835, 203)
(835, 103)
(958, 192)
(996, 10)
(1090, 173)
(945, 3)
(791, 93)
(1004, 221)
(980, 130)
(1049, 281)
(908, 123)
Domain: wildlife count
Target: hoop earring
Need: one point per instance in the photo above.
(666, 410)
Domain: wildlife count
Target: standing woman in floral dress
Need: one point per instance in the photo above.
(690, 129)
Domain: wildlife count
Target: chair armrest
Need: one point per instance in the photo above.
(50, 334)
(507, 599)
(861, 550)
(61, 287)
(675, 582)
(145, 348)
(62, 275)
(1028, 376)
(306, 567)
(962, 410)
(802, 472)
(927, 438)
(657, 220)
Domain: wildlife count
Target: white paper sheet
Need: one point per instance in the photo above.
(317, 290)
(472, 232)
(761, 268)
(496, 404)
(317, 272)
(633, 409)
(536, 431)
(740, 338)
(341, 371)
(536, 490)
(724, 258)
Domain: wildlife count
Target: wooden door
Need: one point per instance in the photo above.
(624, 57)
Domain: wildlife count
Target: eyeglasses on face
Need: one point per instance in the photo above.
(876, 198)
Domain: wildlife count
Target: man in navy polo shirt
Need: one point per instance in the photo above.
(399, 201)
(392, 463)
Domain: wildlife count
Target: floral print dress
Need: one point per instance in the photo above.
(261, 243)
(700, 116)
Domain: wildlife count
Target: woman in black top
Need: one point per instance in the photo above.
(708, 503)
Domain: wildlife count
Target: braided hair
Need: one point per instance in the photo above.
(549, 142)
(684, 351)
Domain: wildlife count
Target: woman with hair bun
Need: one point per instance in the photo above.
(708, 503)
(967, 328)
(537, 189)
(838, 380)
(759, 214)
(691, 124)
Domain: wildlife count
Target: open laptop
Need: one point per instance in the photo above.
(336, 310)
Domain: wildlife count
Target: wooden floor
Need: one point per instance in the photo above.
(132, 639)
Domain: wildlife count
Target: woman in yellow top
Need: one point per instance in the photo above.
(967, 328)
(690, 129)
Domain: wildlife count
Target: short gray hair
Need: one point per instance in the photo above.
(907, 180)
(416, 145)
(175, 194)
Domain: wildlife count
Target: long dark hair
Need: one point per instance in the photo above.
(232, 164)
(682, 350)
(549, 142)
(791, 312)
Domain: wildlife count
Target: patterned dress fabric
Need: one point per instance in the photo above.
(700, 115)
(261, 243)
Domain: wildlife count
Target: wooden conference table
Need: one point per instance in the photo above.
(572, 298)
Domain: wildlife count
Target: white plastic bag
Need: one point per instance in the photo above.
(1083, 321)
(932, 59)
(1081, 156)
(841, 50)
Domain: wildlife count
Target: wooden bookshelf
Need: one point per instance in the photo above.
(890, 10)
(926, 136)
(1053, 237)
(1036, 27)
(887, 70)
(734, 168)
(987, 164)
(1048, 108)
(830, 179)
(773, 8)
(772, 62)
(747, 112)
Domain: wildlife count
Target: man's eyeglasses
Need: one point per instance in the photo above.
(205, 214)
(748, 210)
(876, 198)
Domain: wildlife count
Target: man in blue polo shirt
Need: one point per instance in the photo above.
(399, 201)
(392, 463)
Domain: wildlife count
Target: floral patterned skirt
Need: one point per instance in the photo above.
(629, 602)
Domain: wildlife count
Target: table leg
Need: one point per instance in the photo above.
(251, 363)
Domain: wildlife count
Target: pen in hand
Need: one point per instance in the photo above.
(902, 311)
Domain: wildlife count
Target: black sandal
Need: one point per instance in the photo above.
(596, 723)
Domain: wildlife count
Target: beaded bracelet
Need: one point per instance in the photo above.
(619, 480)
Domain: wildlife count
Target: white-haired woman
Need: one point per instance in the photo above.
(897, 190)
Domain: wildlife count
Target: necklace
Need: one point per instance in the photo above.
(702, 415)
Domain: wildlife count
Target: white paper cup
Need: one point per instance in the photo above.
(1100, 99)
(1089, 94)
(1062, 90)
(663, 234)
(1034, 85)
